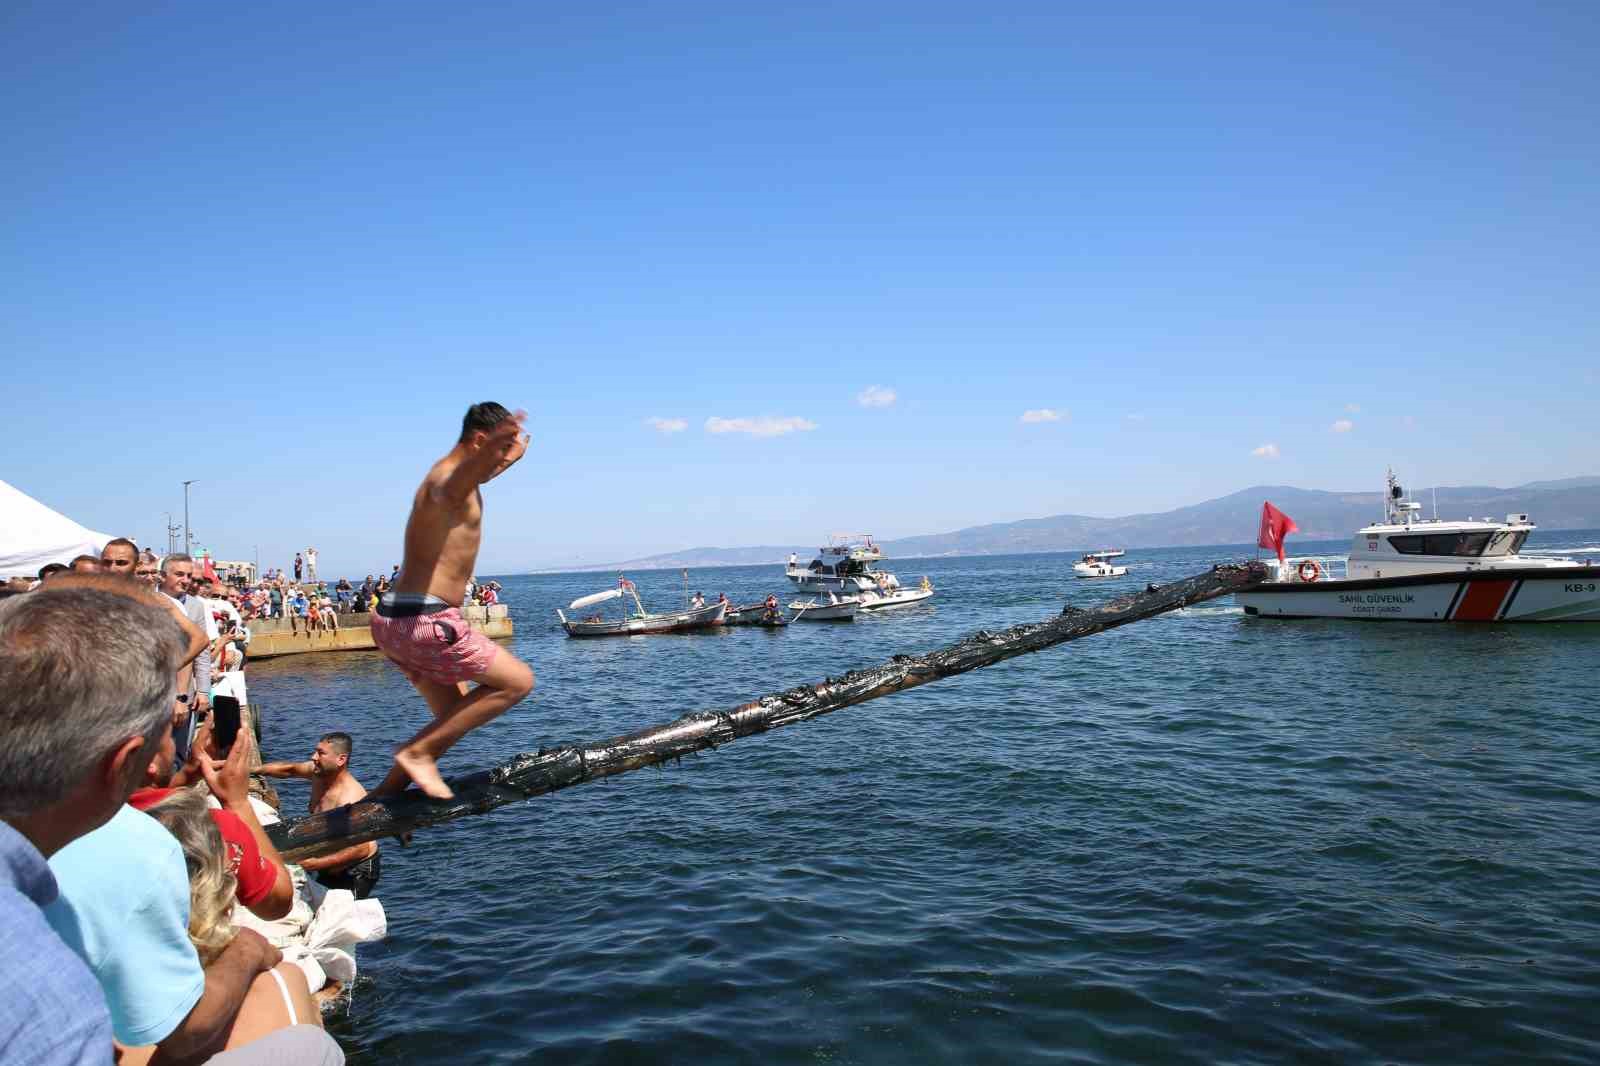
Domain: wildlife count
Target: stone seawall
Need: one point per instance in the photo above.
(271, 637)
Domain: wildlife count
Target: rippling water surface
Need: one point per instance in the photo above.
(1203, 838)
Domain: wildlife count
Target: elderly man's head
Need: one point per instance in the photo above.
(120, 556)
(88, 669)
(177, 571)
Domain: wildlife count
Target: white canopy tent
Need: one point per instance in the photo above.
(32, 535)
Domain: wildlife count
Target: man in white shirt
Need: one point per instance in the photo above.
(311, 564)
(194, 685)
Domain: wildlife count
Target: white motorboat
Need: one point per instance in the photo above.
(845, 566)
(639, 622)
(833, 609)
(1097, 564)
(875, 600)
(1407, 568)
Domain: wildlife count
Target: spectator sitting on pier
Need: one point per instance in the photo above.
(86, 680)
(356, 868)
(330, 616)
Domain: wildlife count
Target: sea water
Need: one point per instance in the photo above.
(1201, 838)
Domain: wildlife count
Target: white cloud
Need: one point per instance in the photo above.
(1344, 425)
(1266, 451)
(875, 396)
(1041, 414)
(1353, 408)
(667, 425)
(764, 426)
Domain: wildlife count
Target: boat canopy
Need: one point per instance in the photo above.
(599, 597)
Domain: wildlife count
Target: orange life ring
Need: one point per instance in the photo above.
(1310, 571)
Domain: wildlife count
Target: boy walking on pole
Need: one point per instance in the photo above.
(418, 623)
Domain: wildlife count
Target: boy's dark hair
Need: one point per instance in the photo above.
(339, 742)
(482, 417)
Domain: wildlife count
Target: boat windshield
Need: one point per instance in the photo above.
(1508, 542)
(1470, 543)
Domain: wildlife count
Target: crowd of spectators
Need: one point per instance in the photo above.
(132, 852)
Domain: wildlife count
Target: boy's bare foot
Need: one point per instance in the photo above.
(423, 770)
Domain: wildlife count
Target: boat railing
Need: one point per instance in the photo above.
(1320, 568)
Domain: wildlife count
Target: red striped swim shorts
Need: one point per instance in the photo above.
(439, 646)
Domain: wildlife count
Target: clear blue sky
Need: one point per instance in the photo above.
(280, 248)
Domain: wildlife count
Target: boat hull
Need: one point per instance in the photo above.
(827, 612)
(878, 601)
(755, 614)
(677, 622)
(1543, 594)
(1086, 570)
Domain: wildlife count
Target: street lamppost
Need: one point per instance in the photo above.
(172, 534)
(187, 543)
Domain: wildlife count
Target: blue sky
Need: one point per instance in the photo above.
(281, 248)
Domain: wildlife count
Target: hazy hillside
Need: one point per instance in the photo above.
(1571, 503)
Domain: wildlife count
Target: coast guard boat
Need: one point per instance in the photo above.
(1410, 569)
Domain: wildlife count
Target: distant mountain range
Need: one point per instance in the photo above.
(1572, 503)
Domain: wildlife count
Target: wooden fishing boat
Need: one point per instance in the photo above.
(639, 622)
(756, 614)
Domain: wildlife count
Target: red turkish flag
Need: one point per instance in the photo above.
(1275, 525)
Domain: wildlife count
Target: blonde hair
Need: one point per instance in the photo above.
(211, 886)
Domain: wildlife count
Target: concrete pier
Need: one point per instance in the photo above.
(270, 637)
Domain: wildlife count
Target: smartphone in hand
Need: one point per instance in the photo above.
(224, 722)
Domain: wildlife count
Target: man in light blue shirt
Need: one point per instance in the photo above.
(124, 908)
(86, 686)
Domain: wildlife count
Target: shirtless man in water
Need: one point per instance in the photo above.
(333, 785)
(418, 623)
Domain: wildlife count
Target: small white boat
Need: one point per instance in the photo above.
(888, 599)
(1409, 569)
(636, 623)
(838, 610)
(1095, 565)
